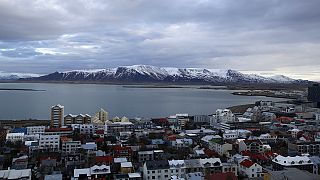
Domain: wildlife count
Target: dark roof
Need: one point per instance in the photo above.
(222, 176)
(154, 165)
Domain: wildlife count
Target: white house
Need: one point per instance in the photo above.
(181, 143)
(250, 169)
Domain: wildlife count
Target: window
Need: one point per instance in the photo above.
(153, 177)
(252, 175)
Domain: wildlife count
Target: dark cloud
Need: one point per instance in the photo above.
(274, 36)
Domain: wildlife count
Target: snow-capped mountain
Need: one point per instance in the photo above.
(15, 76)
(146, 73)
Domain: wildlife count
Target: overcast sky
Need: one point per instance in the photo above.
(261, 36)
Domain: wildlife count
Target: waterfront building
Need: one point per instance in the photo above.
(77, 119)
(57, 115)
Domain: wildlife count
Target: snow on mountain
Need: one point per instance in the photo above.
(15, 76)
(146, 73)
(281, 78)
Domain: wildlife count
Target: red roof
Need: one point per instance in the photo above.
(99, 140)
(104, 159)
(247, 163)
(99, 131)
(58, 129)
(222, 176)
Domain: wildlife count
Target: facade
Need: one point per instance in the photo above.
(254, 146)
(302, 147)
(70, 146)
(77, 119)
(100, 117)
(224, 116)
(314, 94)
(145, 156)
(57, 114)
(220, 147)
(14, 137)
(117, 127)
(32, 130)
(250, 169)
(22, 174)
(159, 170)
(300, 162)
(49, 142)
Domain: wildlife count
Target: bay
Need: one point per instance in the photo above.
(116, 99)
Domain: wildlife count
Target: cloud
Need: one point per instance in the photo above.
(278, 36)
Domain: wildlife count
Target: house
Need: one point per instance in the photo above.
(20, 162)
(92, 172)
(181, 143)
(250, 169)
(159, 170)
(254, 146)
(300, 162)
(177, 168)
(220, 147)
(21, 174)
(68, 145)
(126, 167)
(122, 151)
(230, 167)
(145, 156)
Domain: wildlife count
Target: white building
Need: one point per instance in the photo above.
(181, 143)
(251, 169)
(31, 130)
(57, 115)
(13, 137)
(92, 172)
(159, 170)
(70, 146)
(224, 116)
(220, 147)
(177, 168)
(49, 142)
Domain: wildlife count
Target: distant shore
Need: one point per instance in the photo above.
(20, 89)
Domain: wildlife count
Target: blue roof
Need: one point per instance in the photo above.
(19, 130)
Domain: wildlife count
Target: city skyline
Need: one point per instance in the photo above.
(263, 37)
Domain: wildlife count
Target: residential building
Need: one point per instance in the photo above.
(14, 137)
(32, 130)
(302, 147)
(177, 168)
(112, 128)
(314, 94)
(254, 146)
(57, 114)
(21, 174)
(145, 156)
(159, 170)
(224, 116)
(300, 162)
(49, 142)
(100, 117)
(93, 172)
(250, 169)
(77, 119)
(221, 147)
(70, 146)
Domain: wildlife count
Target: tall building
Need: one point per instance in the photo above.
(57, 115)
(100, 117)
(314, 94)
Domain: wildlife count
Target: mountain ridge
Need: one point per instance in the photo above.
(154, 74)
